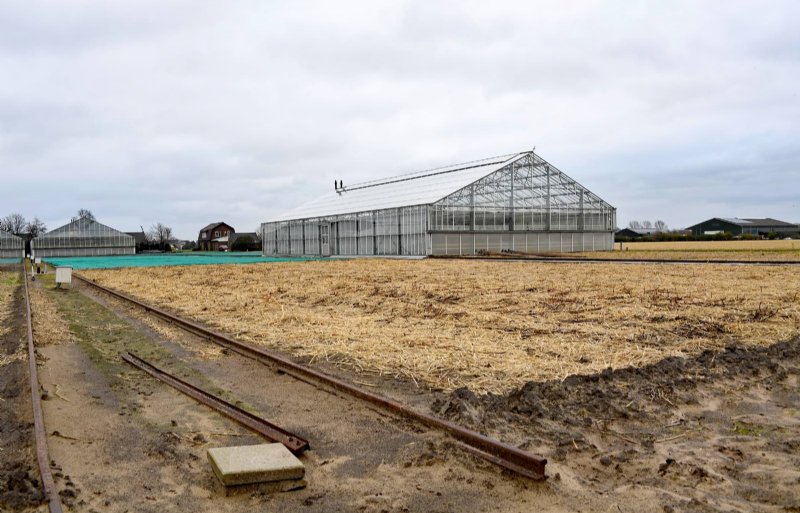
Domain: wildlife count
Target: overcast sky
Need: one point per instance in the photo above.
(189, 112)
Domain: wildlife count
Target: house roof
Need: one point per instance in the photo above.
(214, 225)
(420, 188)
(769, 222)
(640, 231)
(751, 222)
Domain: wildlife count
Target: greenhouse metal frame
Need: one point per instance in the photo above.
(83, 237)
(11, 246)
(517, 203)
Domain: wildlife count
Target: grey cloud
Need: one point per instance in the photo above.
(191, 112)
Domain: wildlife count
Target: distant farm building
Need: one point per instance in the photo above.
(517, 202)
(635, 233)
(215, 237)
(83, 237)
(749, 226)
(138, 237)
(11, 246)
(245, 241)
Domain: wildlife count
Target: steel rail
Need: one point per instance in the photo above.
(494, 451)
(262, 426)
(618, 260)
(42, 455)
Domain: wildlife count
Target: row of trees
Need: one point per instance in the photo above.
(21, 227)
(659, 225)
(157, 238)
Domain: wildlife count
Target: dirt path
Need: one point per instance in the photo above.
(124, 442)
(20, 487)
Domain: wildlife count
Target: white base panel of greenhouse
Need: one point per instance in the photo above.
(527, 242)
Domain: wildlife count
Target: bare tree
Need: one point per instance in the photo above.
(84, 214)
(660, 226)
(635, 225)
(160, 233)
(13, 223)
(647, 225)
(36, 228)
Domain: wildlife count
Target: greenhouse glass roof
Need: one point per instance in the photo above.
(8, 237)
(421, 188)
(84, 229)
(10, 248)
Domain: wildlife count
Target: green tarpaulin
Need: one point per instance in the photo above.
(164, 259)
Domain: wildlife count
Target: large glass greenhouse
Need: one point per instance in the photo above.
(83, 237)
(517, 202)
(11, 247)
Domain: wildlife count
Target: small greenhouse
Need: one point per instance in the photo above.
(11, 247)
(83, 237)
(517, 202)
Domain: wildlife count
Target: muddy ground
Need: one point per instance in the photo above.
(718, 432)
(20, 487)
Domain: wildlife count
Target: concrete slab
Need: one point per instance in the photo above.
(249, 464)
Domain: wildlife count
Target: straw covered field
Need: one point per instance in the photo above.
(716, 245)
(744, 250)
(490, 326)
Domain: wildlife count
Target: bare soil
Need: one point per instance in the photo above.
(716, 432)
(20, 485)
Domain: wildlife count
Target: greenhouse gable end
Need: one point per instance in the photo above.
(83, 237)
(11, 246)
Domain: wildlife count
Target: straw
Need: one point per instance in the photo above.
(48, 326)
(490, 326)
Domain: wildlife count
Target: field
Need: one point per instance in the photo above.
(744, 250)
(716, 245)
(489, 326)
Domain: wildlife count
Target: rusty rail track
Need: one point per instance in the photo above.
(42, 455)
(494, 451)
(262, 426)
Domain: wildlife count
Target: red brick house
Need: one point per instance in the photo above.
(215, 237)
